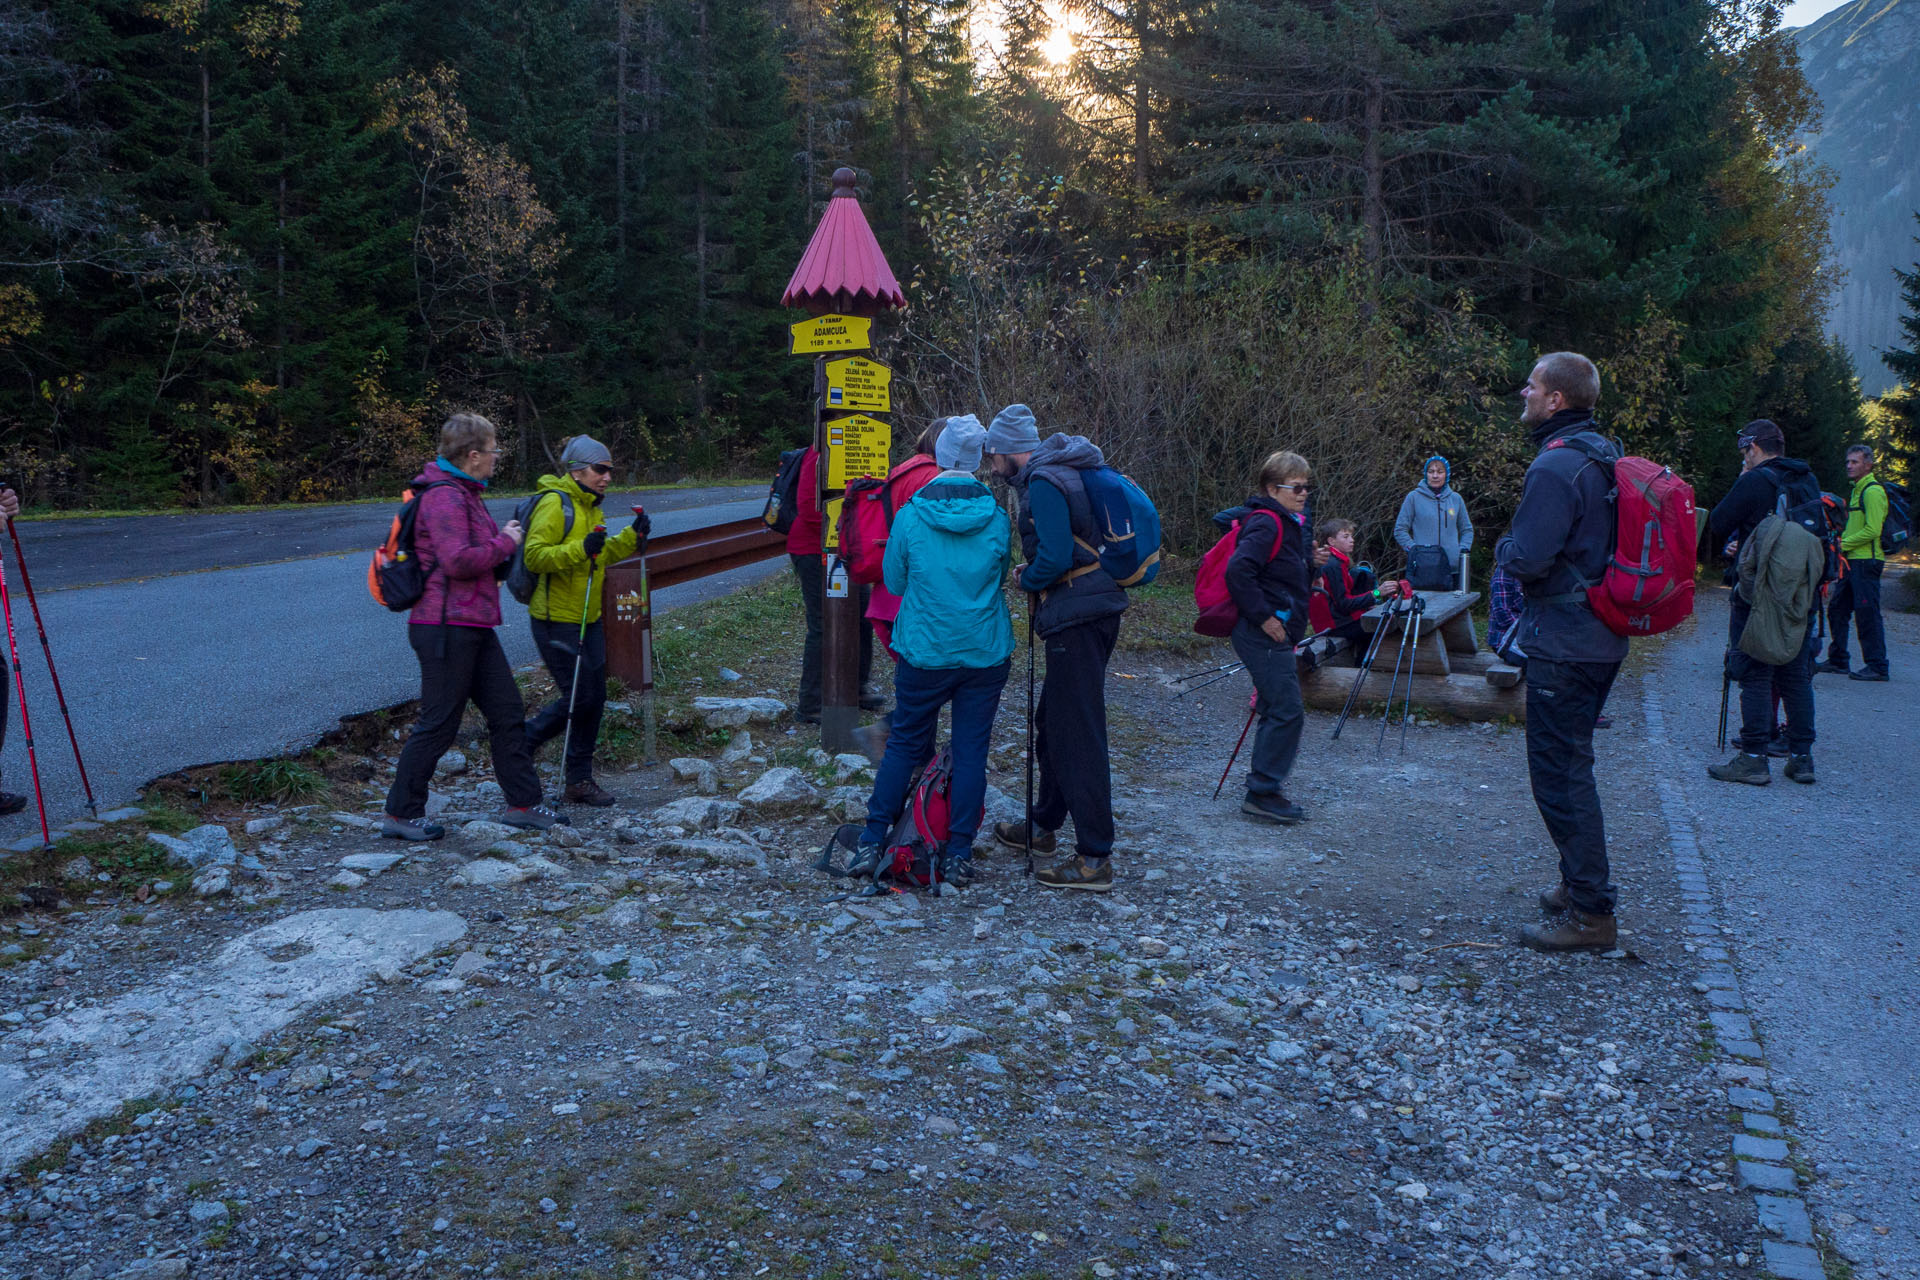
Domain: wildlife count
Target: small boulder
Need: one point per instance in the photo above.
(489, 872)
(565, 838)
(782, 785)
(484, 832)
(739, 747)
(342, 879)
(212, 882)
(205, 846)
(723, 852)
(452, 764)
(701, 773)
(261, 826)
(372, 864)
(846, 766)
(78, 869)
(696, 813)
(735, 713)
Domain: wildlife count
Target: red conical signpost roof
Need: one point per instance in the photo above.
(843, 270)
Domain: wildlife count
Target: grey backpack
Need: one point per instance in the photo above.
(521, 581)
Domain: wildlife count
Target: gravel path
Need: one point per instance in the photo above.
(1815, 880)
(665, 1046)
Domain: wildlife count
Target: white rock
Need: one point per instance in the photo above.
(697, 771)
(344, 879)
(260, 826)
(452, 763)
(372, 864)
(732, 713)
(697, 813)
(209, 845)
(78, 869)
(739, 747)
(1152, 947)
(212, 882)
(781, 785)
(468, 963)
(846, 765)
(442, 986)
(1284, 1051)
(1412, 1191)
(484, 832)
(348, 820)
(436, 804)
(724, 852)
(123, 815)
(565, 838)
(205, 1212)
(489, 792)
(489, 871)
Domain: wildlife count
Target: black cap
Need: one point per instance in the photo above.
(1764, 432)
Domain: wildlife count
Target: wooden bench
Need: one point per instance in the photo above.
(1450, 671)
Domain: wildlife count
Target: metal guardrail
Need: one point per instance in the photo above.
(669, 560)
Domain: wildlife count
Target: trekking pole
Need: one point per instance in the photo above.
(1726, 691)
(27, 581)
(1408, 621)
(20, 686)
(1253, 705)
(1029, 830)
(1228, 672)
(579, 657)
(1366, 664)
(1406, 714)
(1195, 675)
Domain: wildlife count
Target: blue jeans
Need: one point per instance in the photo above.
(918, 695)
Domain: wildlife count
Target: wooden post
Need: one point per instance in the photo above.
(840, 607)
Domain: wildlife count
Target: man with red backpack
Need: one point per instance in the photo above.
(805, 548)
(1560, 542)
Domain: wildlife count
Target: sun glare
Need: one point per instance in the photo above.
(1058, 46)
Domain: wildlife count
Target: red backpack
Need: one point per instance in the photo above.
(919, 839)
(1648, 584)
(1217, 610)
(866, 518)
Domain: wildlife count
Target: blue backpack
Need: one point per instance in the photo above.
(1128, 525)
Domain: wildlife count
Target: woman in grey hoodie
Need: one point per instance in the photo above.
(1433, 515)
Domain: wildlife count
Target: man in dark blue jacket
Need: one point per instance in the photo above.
(1076, 610)
(1562, 537)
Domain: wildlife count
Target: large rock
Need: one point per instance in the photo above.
(728, 853)
(490, 872)
(777, 786)
(697, 813)
(700, 773)
(207, 846)
(733, 713)
(485, 832)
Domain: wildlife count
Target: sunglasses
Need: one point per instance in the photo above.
(1301, 489)
(600, 468)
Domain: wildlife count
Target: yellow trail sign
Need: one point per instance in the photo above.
(856, 446)
(859, 383)
(831, 333)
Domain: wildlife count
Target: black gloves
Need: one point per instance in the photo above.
(595, 541)
(642, 523)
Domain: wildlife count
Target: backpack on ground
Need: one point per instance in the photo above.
(1897, 529)
(919, 839)
(521, 581)
(1218, 613)
(1647, 586)
(1127, 524)
(395, 576)
(866, 521)
(783, 495)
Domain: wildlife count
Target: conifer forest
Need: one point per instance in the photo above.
(254, 250)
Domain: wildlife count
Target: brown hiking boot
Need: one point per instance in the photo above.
(588, 792)
(1014, 836)
(1572, 930)
(1078, 872)
(1555, 900)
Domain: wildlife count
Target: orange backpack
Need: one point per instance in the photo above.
(395, 576)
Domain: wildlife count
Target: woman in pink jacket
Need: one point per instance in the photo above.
(451, 631)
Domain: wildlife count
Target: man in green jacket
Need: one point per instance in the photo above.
(1857, 596)
(562, 554)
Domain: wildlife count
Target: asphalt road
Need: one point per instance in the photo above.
(185, 640)
(1817, 884)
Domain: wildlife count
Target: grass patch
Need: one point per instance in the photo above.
(1159, 618)
(275, 781)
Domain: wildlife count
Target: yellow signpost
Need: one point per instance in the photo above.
(856, 446)
(857, 383)
(831, 333)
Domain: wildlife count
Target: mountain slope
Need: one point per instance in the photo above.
(1863, 59)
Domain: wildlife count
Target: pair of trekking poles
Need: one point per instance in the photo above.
(20, 686)
(1409, 606)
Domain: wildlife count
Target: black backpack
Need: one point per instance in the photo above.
(783, 495)
(1810, 515)
(395, 576)
(521, 581)
(1897, 528)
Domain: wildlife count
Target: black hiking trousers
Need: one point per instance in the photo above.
(560, 647)
(458, 664)
(1763, 685)
(1071, 731)
(812, 575)
(1563, 700)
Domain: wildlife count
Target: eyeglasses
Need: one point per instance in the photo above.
(600, 468)
(1300, 489)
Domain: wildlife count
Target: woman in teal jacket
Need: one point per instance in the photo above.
(947, 559)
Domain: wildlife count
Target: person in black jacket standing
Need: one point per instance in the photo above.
(1270, 581)
(1562, 536)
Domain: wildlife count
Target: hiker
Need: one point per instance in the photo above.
(903, 481)
(1432, 515)
(1347, 597)
(1856, 598)
(1767, 478)
(805, 547)
(1269, 580)
(1561, 537)
(947, 561)
(566, 545)
(10, 801)
(1074, 605)
(451, 630)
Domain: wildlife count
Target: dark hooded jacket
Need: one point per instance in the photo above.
(1754, 497)
(1057, 537)
(1266, 580)
(1562, 535)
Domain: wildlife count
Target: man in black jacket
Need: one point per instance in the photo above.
(1768, 477)
(1562, 536)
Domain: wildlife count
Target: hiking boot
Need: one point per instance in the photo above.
(1572, 930)
(1014, 836)
(1777, 746)
(1603, 722)
(1868, 673)
(1078, 872)
(1274, 808)
(1833, 668)
(11, 802)
(1744, 767)
(1555, 900)
(535, 817)
(399, 828)
(865, 861)
(589, 792)
(1800, 769)
(958, 872)
(806, 717)
(871, 699)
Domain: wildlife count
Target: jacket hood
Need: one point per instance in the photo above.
(1788, 466)
(1423, 475)
(434, 473)
(571, 487)
(956, 503)
(1062, 450)
(1563, 423)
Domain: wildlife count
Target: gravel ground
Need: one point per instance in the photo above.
(1806, 875)
(666, 1047)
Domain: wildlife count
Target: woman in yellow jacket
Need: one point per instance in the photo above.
(561, 556)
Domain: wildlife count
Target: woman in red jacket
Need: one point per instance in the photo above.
(451, 630)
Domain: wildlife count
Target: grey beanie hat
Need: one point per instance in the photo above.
(1013, 431)
(958, 448)
(582, 452)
